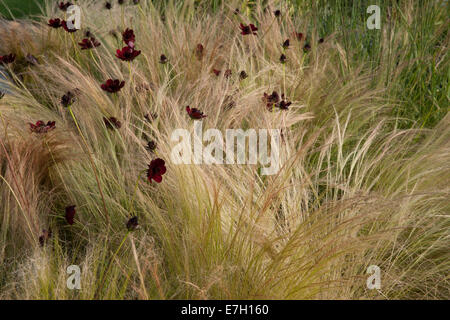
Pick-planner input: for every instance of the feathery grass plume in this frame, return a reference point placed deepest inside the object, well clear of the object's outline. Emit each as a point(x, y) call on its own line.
point(7, 59)
point(364, 155)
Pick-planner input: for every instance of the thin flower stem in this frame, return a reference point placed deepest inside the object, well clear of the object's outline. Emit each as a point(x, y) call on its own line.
point(284, 73)
point(93, 58)
point(92, 164)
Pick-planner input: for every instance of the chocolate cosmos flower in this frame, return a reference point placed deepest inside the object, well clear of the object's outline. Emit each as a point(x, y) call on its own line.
point(216, 72)
point(285, 44)
point(41, 127)
point(88, 43)
point(64, 6)
point(298, 35)
point(68, 99)
point(55, 23)
point(156, 169)
point(66, 27)
point(243, 75)
point(227, 73)
point(277, 13)
point(199, 51)
point(283, 104)
point(31, 59)
point(6, 59)
point(70, 214)
point(128, 37)
point(112, 123)
point(250, 29)
point(163, 59)
point(132, 224)
point(151, 146)
point(127, 53)
point(194, 113)
point(113, 86)
point(46, 235)
point(271, 100)
point(283, 58)
point(151, 116)
point(307, 47)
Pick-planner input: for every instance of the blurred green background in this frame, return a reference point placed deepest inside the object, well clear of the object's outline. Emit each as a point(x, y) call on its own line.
point(20, 8)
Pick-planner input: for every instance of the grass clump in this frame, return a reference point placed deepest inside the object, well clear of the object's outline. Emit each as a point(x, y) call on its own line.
point(365, 153)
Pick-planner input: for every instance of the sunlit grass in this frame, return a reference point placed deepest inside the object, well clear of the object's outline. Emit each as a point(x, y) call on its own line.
point(365, 157)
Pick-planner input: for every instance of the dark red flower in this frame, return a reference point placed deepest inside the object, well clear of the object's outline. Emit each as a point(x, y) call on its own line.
point(163, 59)
point(216, 72)
point(321, 40)
point(194, 113)
point(227, 73)
point(274, 101)
point(121, 1)
point(141, 87)
point(283, 58)
point(31, 59)
point(66, 27)
point(70, 214)
point(64, 6)
point(199, 51)
point(250, 29)
point(283, 104)
point(271, 100)
point(127, 53)
point(151, 116)
point(108, 5)
point(298, 35)
point(55, 23)
point(128, 37)
point(151, 146)
point(112, 123)
point(88, 43)
point(132, 223)
point(46, 235)
point(113, 86)
point(42, 127)
point(68, 99)
point(307, 47)
point(285, 44)
point(156, 169)
point(277, 13)
point(228, 102)
point(243, 75)
point(6, 59)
